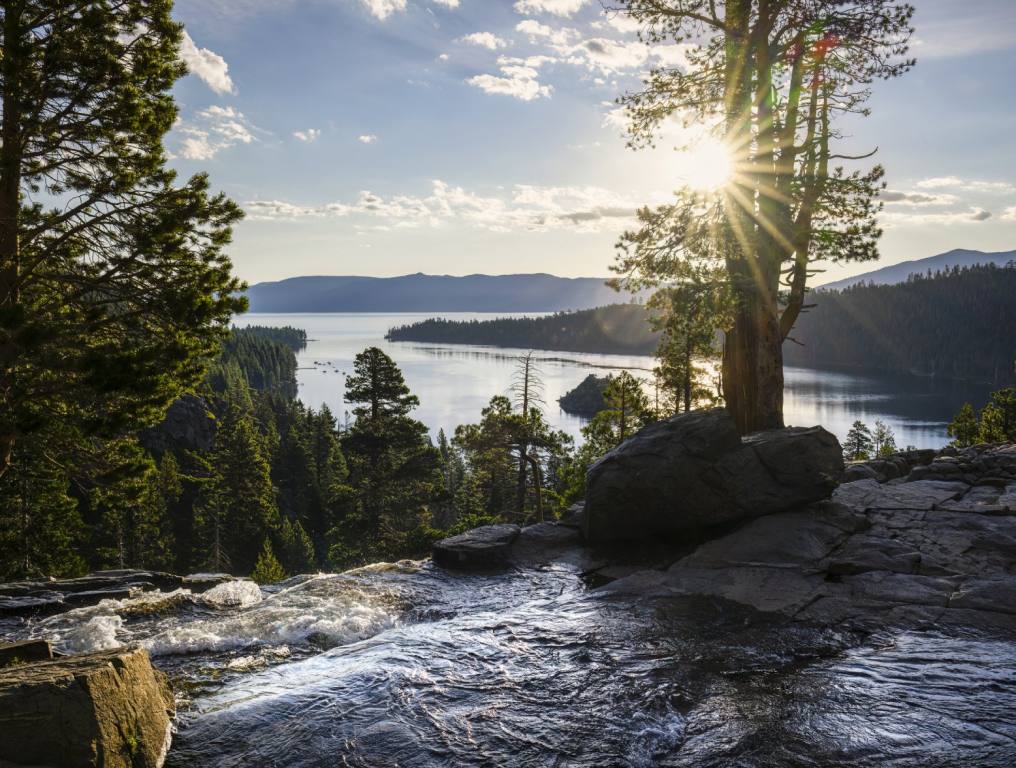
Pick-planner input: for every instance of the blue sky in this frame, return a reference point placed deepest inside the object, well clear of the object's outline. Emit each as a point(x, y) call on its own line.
point(383, 137)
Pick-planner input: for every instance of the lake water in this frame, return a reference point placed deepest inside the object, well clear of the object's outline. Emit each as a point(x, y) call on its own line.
point(454, 382)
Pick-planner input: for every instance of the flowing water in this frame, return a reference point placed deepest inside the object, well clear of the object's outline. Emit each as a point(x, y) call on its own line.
point(408, 665)
point(454, 382)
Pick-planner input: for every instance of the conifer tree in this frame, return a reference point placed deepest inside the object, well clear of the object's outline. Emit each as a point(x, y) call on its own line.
point(114, 288)
point(858, 445)
point(267, 569)
point(770, 79)
point(964, 429)
point(393, 467)
point(41, 531)
point(238, 507)
point(883, 439)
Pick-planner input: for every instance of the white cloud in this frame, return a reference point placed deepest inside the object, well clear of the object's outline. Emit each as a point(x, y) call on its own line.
point(968, 185)
point(382, 9)
point(518, 81)
point(447, 3)
point(555, 7)
point(308, 136)
point(367, 138)
point(485, 40)
point(609, 56)
point(971, 216)
point(524, 208)
point(207, 65)
point(1009, 214)
point(213, 130)
point(918, 198)
point(560, 36)
point(619, 21)
point(444, 57)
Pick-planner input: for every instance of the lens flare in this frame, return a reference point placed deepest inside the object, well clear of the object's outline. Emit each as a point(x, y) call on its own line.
point(707, 165)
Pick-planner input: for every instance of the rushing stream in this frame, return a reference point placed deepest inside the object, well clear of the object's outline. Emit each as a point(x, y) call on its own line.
point(407, 665)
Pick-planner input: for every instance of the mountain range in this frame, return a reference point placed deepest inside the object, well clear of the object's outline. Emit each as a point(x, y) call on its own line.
point(433, 293)
point(898, 273)
point(514, 293)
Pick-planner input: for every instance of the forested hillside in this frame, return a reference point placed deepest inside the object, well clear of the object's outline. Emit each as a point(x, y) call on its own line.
point(613, 329)
point(958, 323)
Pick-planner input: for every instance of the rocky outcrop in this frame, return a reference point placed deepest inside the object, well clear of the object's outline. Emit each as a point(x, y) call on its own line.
point(587, 398)
point(901, 552)
point(484, 547)
point(26, 598)
point(188, 425)
point(105, 709)
point(693, 472)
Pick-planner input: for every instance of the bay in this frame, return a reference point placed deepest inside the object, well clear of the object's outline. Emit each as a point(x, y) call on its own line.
point(454, 382)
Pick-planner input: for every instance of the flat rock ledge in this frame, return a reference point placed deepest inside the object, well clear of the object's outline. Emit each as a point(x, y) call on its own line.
point(493, 547)
point(909, 551)
point(45, 597)
point(109, 709)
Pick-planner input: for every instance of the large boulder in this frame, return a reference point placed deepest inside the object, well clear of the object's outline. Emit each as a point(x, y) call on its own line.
point(107, 709)
point(485, 547)
point(694, 471)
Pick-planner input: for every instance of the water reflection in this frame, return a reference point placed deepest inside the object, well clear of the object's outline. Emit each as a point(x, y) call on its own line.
point(455, 382)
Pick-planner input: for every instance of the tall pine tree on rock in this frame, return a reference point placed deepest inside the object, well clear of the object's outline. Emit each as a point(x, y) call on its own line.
point(769, 79)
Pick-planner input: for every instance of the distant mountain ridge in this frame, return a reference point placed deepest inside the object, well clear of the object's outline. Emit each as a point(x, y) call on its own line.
point(432, 293)
point(898, 273)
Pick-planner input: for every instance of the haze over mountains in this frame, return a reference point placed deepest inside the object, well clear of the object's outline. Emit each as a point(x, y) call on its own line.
point(514, 293)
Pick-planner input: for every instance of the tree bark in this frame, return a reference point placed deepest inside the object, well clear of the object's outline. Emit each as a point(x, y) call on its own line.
point(753, 366)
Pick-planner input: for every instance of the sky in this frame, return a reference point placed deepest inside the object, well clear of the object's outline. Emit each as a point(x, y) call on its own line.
point(386, 137)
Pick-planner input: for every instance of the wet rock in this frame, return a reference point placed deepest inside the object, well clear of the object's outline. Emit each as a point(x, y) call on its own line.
point(693, 471)
point(27, 598)
point(105, 709)
point(484, 547)
point(12, 654)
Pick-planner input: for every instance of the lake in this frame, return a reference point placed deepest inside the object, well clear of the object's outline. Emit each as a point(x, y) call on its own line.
point(454, 382)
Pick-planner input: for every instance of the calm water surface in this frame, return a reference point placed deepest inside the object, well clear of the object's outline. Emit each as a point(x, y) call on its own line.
point(454, 382)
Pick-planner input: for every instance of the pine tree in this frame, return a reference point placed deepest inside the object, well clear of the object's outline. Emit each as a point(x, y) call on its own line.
point(267, 569)
point(859, 444)
point(964, 429)
point(393, 467)
point(41, 531)
point(771, 79)
point(883, 439)
point(688, 315)
point(114, 287)
point(296, 548)
point(237, 508)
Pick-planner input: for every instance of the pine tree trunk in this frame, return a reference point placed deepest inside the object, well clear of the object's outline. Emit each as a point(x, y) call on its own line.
point(753, 367)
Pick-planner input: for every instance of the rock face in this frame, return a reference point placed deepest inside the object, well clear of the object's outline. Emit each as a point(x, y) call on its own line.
point(188, 425)
point(106, 709)
point(694, 471)
point(484, 547)
point(900, 552)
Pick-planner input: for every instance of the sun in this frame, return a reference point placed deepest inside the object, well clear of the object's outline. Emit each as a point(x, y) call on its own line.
point(707, 165)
